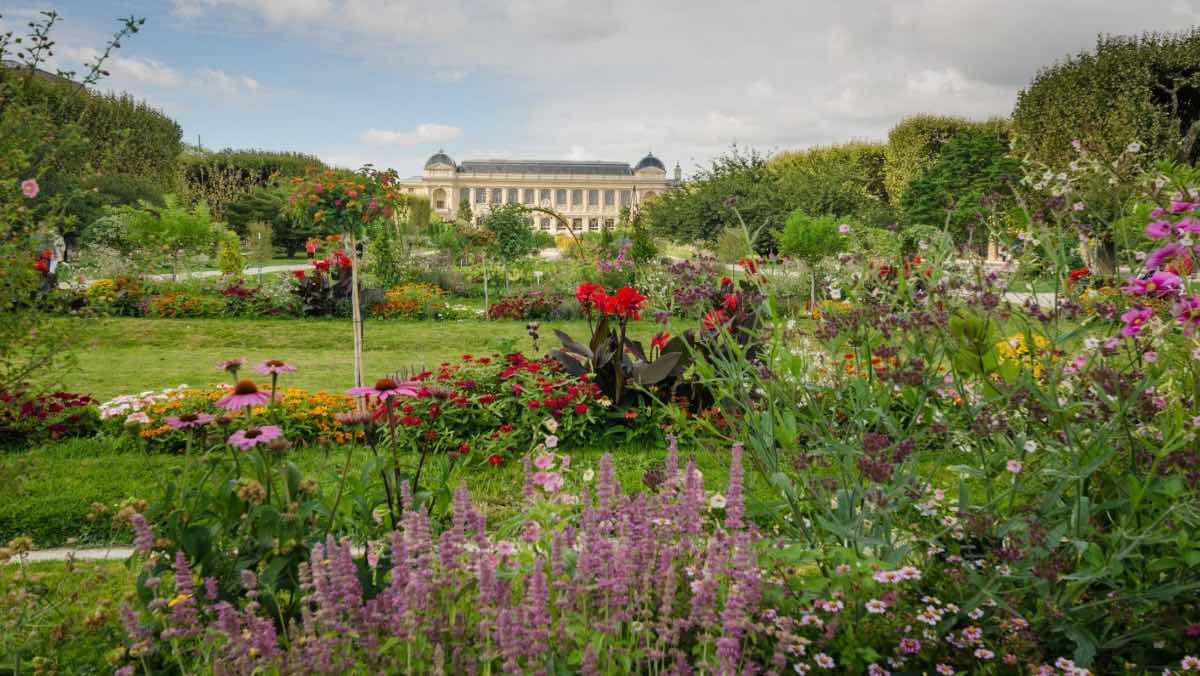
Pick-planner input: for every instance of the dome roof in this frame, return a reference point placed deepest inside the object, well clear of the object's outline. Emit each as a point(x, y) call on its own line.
point(440, 157)
point(649, 161)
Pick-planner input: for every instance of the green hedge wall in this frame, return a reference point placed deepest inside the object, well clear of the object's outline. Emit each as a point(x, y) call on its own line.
point(124, 136)
point(915, 142)
point(862, 159)
point(1142, 88)
point(254, 166)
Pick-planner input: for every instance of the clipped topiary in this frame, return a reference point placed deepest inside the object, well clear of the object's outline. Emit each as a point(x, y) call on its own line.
point(915, 142)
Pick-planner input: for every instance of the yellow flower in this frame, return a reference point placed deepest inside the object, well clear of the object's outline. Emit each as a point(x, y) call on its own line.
point(178, 599)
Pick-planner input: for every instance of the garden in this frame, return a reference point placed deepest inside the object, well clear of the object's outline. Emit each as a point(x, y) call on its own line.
point(928, 405)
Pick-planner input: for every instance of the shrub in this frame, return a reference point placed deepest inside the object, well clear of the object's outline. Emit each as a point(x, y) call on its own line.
point(527, 304)
point(811, 238)
point(229, 254)
point(844, 180)
point(412, 301)
point(258, 242)
point(221, 178)
point(1127, 89)
point(182, 304)
point(27, 418)
point(732, 245)
point(914, 144)
point(972, 177)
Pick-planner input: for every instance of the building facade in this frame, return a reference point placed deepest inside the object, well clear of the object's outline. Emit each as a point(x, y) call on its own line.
point(591, 195)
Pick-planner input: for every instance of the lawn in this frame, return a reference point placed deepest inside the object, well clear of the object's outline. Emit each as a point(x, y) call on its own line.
point(126, 355)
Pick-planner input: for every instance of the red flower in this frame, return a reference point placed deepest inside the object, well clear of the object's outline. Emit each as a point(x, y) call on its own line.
point(726, 281)
point(748, 265)
point(298, 274)
point(494, 458)
point(322, 265)
point(47, 254)
point(464, 448)
point(580, 409)
point(41, 266)
point(626, 302)
point(589, 294)
point(631, 414)
point(714, 319)
point(487, 398)
point(660, 339)
point(729, 302)
point(506, 428)
point(410, 420)
point(1081, 272)
point(533, 403)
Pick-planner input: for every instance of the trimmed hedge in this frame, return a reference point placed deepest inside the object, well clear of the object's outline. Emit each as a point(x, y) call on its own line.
point(221, 178)
point(1142, 88)
point(863, 159)
point(124, 136)
point(914, 144)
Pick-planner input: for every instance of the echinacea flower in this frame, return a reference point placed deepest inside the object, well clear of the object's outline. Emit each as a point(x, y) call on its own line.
point(244, 393)
point(384, 389)
point(247, 439)
point(876, 607)
point(30, 188)
point(232, 366)
point(188, 420)
point(274, 366)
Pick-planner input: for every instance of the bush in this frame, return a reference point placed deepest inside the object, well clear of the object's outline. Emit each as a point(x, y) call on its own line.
point(914, 144)
point(841, 180)
point(183, 304)
point(229, 254)
point(258, 242)
point(27, 418)
point(732, 245)
point(528, 304)
point(412, 301)
point(222, 178)
point(972, 177)
point(811, 238)
point(1127, 89)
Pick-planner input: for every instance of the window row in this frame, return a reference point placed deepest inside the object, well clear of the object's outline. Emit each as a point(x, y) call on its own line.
point(527, 196)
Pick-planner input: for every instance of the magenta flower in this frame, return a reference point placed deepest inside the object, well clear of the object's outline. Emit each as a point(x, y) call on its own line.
point(30, 188)
point(1163, 254)
point(1189, 225)
point(385, 388)
point(247, 439)
point(244, 393)
point(274, 366)
point(1159, 229)
point(1178, 207)
point(1187, 312)
point(188, 420)
point(1134, 320)
point(232, 366)
point(1161, 283)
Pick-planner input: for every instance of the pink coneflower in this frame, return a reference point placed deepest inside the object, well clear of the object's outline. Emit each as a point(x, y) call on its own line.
point(247, 439)
point(244, 393)
point(187, 420)
point(232, 366)
point(385, 388)
point(274, 367)
point(30, 188)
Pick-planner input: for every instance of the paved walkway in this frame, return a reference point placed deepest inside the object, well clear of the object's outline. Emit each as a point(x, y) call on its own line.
point(63, 553)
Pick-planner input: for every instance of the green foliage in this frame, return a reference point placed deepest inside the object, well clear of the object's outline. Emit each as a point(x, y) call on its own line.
point(700, 209)
point(1141, 88)
point(383, 260)
point(811, 238)
point(229, 254)
point(842, 179)
point(732, 245)
point(221, 178)
point(972, 176)
point(512, 238)
point(915, 142)
point(259, 246)
point(464, 211)
point(643, 249)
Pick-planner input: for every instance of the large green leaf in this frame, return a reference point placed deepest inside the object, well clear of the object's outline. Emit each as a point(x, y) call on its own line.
point(655, 372)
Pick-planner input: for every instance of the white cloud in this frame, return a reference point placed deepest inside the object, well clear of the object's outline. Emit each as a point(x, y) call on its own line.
point(943, 82)
point(577, 154)
point(225, 84)
point(424, 133)
point(123, 70)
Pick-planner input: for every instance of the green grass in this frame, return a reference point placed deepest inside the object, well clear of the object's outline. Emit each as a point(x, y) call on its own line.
point(65, 613)
point(124, 355)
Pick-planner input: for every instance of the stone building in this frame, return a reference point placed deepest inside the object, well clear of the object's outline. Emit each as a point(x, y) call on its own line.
point(590, 194)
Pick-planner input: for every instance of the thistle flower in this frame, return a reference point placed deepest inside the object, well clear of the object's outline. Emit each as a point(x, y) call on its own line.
point(247, 439)
point(188, 420)
point(244, 393)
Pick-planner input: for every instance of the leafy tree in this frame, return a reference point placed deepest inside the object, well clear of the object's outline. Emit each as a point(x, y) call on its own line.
point(844, 179)
point(917, 141)
point(970, 177)
point(512, 238)
point(811, 239)
point(464, 211)
point(172, 228)
point(700, 209)
point(269, 204)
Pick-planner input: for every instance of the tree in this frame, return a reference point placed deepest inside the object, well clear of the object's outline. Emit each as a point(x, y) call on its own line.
point(811, 239)
point(512, 238)
point(464, 210)
point(268, 204)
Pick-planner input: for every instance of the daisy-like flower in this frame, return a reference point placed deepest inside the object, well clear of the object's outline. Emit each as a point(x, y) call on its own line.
point(384, 389)
point(30, 188)
point(551, 441)
point(244, 393)
point(844, 228)
point(717, 501)
point(1064, 664)
point(945, 669)
point(824, 661)
point(543, 461)
point(1190, 663)
point(984, 653)
point(232, 366)
point(247, 439)
point(137, 418)
point(1014, 466)
point(274, 366)
point(876, 607)
point(188, 420)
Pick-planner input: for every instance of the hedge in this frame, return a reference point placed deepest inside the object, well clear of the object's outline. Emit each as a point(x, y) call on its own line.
point(915, 142)
point(1142, 88)
point(221, 178)
point(863, 158)
point(125, 136)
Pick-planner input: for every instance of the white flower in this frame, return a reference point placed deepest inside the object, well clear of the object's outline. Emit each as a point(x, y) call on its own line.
point(1091, 343)
point(1031, 446)
point(1134, 148)
point(138, 417)
point(551, 424)
point(717, 501)
point(588, 475)
point(551, 441)
point(835, 293)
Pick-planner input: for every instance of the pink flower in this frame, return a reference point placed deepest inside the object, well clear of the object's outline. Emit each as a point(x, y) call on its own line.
point(244, 393)
point(1134, 320)
point(1190, 663)
point(1161, 283)
point(844, 228)
point(876, 607)
point(984, 653)
point(1187, 312)
point(187, 420)
point(247, 439)
point(30, 188)
point(1163, 254)
point(1159, 229)
point(385, 388)
point(274, 366)
point(910, 646)
point(1014, 466)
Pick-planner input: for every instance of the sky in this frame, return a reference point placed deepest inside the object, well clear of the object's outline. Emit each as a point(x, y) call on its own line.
point(392, 81)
